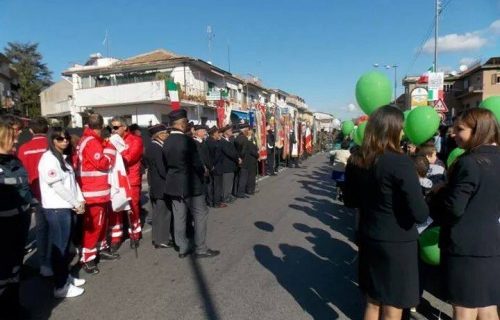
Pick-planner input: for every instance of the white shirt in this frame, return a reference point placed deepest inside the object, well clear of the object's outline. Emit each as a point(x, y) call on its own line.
point(50, 172)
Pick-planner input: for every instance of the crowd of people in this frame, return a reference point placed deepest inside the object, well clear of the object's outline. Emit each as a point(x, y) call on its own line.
point(400, 191)
point(85, 192)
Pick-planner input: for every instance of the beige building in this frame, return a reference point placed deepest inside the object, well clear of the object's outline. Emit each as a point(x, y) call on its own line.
point(9, 83)
point(464, 90)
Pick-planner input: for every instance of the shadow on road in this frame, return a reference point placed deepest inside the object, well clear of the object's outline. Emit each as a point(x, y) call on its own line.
point(203, 289)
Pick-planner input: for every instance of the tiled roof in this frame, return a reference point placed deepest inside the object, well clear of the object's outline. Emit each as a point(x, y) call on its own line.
point(149, 57)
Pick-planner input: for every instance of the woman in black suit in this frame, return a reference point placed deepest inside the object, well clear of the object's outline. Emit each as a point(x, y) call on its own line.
point(382, 182)
point(470, 232)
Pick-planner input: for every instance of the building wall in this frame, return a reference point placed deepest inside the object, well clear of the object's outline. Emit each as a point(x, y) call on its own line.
point(490, 86)
point(54, 99)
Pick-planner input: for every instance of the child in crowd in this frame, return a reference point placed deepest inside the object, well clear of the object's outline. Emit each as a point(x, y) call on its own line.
point(436, 172)
point(340, 158)
point(422, 166)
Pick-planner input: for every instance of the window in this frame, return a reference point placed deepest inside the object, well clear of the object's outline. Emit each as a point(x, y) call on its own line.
point(495, 78)
point(466, 84)
point(477, 103)
point(448, 87)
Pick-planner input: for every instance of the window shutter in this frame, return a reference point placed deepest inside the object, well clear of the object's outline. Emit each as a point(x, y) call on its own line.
point(494, 78)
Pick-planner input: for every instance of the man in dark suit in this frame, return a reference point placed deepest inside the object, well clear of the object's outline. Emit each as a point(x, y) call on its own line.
point(270, 152)
point(214, 195)
point(162, 208)
point(251, 162)
point(241, 144)
point(230, 162)
point(184, 185)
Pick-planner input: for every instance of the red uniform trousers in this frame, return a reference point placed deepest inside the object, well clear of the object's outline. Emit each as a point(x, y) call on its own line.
point(95, 221)
point(116, 225)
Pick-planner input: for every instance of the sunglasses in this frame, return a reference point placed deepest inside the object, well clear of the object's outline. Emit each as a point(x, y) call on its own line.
point(61, 139)
point(116, 127)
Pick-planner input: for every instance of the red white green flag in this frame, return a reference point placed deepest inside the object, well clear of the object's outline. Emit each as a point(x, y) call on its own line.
point(174, 95)
point(424, 78)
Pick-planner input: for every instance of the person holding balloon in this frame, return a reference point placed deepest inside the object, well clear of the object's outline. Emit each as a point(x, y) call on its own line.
point(381, 181)
point(470, 223)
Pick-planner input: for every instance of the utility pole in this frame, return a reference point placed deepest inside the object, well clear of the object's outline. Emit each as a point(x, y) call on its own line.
point(436, 29)
point(210, 36)
point(228, 58)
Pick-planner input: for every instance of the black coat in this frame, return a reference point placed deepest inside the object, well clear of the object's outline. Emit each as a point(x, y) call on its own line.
point(241, 145)
point(389, 197)
point(230, 156)
point(204, 153)
point(216, 156)
point(14, 187)
point(252, 156)
point(153, 158)
point(184, 169)
point(471, 218)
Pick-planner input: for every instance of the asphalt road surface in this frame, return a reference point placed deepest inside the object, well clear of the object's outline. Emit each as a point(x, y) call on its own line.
point(286, 253)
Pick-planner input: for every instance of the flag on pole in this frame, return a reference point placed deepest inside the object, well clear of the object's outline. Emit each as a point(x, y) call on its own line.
point(105, 38)
point(424, 78)
point(173, 94)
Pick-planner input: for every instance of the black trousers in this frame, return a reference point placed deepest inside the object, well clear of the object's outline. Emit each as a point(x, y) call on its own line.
point(162, 220)
point(214, 190)
point(12, 240)
point(252, 175)
point(242, 181)
point(277, 158)
point(270, 168)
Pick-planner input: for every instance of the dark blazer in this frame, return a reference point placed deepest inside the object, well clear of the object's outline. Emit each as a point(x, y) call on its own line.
point(252, 155)
point(241, 144)
point(184, 169)
point(153, 158)
point(230, 159)
point(204, 153)
point(216, 156)
point(389, 197)
point(471, 217)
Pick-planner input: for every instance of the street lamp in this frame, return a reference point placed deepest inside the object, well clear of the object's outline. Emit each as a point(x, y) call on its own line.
point(395, 67)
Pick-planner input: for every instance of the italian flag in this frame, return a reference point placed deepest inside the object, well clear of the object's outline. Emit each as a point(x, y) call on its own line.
point(424, 78)
point(174, 95)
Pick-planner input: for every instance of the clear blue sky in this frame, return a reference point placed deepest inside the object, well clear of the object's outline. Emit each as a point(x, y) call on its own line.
point(316, 49)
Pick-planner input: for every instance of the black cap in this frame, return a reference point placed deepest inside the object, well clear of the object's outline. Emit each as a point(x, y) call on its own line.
point(200, 127)
point(244, 126)
point(213, 130)
point(157, 128)
point(225, 128)
point(177, 114)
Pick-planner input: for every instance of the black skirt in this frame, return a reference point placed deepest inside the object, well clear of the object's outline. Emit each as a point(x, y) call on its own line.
point(471, 282)
point(388, 272)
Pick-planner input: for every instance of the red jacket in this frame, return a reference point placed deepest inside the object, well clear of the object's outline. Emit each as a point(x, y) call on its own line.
point(95, 158)
point(30, 154)
point(132, 157)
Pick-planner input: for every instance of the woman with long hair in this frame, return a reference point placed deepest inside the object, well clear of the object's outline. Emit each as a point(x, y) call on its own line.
point(16, 201)
point(381, 181)
point(61, 196)
point(470, 231)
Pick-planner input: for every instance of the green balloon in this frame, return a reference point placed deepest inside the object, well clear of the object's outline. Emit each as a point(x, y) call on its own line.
point(429, 249)
point(492, 104)
point(373, 90)
point(406, 113)
point(453, 156)
point(359, 133)
point(421, 124)
point(347, 127)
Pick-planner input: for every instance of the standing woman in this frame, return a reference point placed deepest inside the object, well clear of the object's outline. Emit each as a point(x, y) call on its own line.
point(60, 197)
point(15, 202)
point(382, 182)
point(470, 232)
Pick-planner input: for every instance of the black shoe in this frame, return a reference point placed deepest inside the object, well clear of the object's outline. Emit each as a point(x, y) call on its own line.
point(134, 244)
point(115, 247)
point(170, 244)
point(207, 254)
point(90, 267)
point(241, 196)
point(108, 255)
point(185, 254)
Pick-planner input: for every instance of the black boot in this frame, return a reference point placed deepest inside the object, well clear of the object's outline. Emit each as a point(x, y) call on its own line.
point(90, 267)
point(108, 255)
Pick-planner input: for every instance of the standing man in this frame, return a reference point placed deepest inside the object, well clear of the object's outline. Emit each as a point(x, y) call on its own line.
point(132, 156)
point(230, 162)
point(252, 162)
point(30, 154)
point(184, 185)
point(214, 196)
point(270, 151)
point(95, 157)
point(241, 144)
point(162, 208)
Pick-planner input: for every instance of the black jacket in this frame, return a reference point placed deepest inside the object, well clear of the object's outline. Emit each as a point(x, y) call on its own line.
point(216, 156)
point(153, 158)
point(230, 156)
point(252, 156)
point(14, 187)
point(184, 169)
point(204, 153)
point(241, 145)
point(389, 197)
point(471, 217)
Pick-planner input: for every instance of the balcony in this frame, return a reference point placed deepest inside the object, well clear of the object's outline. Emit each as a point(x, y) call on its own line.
point(471, 90)
point(133, 93)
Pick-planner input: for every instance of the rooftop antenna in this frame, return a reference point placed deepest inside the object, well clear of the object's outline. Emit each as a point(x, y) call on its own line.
point(105, 43)
point(210, 36)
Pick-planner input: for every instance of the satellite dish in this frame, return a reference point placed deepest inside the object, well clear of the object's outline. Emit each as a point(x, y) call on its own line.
point(454, 73)
point(463, 67)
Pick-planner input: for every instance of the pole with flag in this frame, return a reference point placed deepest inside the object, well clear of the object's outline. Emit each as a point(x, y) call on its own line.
point(105, 43)
point(173, 94)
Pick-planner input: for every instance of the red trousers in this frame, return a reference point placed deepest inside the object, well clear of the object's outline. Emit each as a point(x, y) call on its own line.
point(95, 222)
point(116, 219)
point(116, 226)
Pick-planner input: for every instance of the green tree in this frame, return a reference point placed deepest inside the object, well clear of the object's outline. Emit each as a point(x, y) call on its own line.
point(34, 75)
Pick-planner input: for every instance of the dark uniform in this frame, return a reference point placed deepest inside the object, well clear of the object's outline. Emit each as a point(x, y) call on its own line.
point(270, 153)
point(251, 163)
point(14, 224)
point(229, 166)
point(241, 144)
point(214, 190)
point(162, 208)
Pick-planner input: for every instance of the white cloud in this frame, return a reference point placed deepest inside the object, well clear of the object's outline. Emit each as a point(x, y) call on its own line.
point(351, 107)
point(457, 42)
point(495, 26)
point(467, 61)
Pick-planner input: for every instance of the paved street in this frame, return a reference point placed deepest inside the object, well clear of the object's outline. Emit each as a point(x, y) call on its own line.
point(286, 253)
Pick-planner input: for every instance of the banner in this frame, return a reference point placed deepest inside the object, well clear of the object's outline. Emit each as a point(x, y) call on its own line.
point(260, 117)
